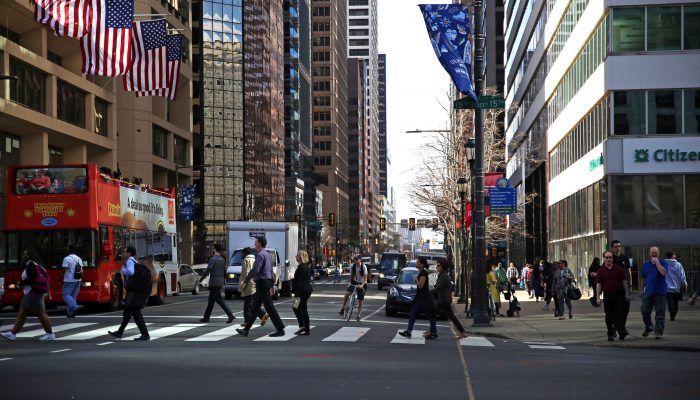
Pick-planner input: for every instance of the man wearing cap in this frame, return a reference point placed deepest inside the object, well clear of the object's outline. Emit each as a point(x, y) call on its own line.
point(358, 278)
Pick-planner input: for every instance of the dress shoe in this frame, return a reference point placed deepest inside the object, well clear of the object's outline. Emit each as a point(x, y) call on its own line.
point(305, 332)
point(611, 338)
point(406, 334)
point(462, 335)
point(622, 335)
point(142, 338)
point(230, 318)
point(299, 332)
point(263, 319)
point(646, 332)
point(205, 320)
point(242, 332)
point(276, 334)
point(116, 334)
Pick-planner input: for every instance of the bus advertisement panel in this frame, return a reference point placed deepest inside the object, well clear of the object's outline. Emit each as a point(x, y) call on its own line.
point(51, 207)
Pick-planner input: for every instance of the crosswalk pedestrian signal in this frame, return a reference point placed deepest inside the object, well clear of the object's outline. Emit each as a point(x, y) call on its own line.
point(297, 218)
point(412, 224)
point(382, 224)
point(331, 219)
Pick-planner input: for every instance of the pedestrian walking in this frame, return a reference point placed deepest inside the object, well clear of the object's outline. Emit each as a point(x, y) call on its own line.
point(249, 290)
point(35, 286)
point(561, 284)
point(513, 277)
point(262, 275)
point(302, 292)
point(654, 293)
point(492, 285)
point(675, 284)
point(216, 270)
point(611, 281)
point(336, 274)
point(622, 260)
point(592, 274)
point(536, 279)
point(547, 277)
point(72, 275)
point(502, 277)
point(135, 297)
point(526, 279)
point(422, 302)
point(443, 287)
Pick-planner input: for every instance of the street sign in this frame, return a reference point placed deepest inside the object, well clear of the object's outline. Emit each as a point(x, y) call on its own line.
point(502, 201)
point(484, 102)
point(313, 223)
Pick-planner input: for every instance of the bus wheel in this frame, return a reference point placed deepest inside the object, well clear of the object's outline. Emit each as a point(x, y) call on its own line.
point(115, 294)
point(159, 298)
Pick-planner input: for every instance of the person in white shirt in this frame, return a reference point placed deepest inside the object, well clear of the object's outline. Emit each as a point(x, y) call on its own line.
point(675, 283)
point(358, 279)
point(71, 284)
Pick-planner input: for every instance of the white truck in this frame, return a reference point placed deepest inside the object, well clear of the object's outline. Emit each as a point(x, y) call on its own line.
point(283, 237)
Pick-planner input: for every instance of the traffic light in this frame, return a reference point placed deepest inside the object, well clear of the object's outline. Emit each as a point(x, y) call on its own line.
point(435, 224)
point(331, 219)
point(412, 224)
point(382, 224)
point(297, 218)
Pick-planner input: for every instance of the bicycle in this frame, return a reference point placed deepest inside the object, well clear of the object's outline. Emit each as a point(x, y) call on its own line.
point(351, 304)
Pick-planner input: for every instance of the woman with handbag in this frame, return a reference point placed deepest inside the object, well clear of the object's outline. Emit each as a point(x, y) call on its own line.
point(561, 285)
point(302, 292)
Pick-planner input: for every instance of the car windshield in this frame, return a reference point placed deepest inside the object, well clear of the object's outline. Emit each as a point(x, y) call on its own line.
point(200, 271)
point(407, 277)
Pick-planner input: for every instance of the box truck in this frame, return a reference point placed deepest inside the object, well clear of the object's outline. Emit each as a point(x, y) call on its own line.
point(282, 237)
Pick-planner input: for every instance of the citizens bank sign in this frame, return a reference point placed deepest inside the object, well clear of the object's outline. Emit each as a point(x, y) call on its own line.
point(663, 155)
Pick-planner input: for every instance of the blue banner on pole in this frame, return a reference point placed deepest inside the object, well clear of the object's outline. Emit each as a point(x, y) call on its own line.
point(185, 197)
point(448, 28)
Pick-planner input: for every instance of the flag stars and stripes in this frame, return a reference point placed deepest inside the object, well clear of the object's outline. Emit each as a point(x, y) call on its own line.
point(120, 13)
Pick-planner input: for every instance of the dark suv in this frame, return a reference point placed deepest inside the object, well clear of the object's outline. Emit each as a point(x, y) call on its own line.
point(391, 263)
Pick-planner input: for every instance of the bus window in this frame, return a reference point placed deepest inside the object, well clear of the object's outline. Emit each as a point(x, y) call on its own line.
point(117, 235)
point(50, 247)
point(104, 238)
point(85, 246)
point(140, 242)
point(55, 180)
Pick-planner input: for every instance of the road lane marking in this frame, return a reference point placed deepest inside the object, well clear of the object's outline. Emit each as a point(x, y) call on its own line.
point(541, 343)
point(6, 359)
point(465, 369)
point(97, 332)
point(104, 344)
point(220, 334)
point(60, 351)
point(476, 341)
point(58, 328)
point(288, 335)
point(347, 334)
point(419, 339)
point(167, 331)
point(374, 313)
point(537, 346)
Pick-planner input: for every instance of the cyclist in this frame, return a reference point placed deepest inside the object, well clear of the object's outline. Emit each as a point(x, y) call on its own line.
point(358, 279)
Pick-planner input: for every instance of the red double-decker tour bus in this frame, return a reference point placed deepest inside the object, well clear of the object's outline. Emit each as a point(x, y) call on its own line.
point(50, 207)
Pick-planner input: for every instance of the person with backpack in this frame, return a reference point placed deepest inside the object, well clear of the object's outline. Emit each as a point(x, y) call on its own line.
point(138, 288)
point(35, 284)
point(72, 275)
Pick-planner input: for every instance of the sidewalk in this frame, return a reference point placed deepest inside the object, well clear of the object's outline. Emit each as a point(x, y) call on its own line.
point(587, 326)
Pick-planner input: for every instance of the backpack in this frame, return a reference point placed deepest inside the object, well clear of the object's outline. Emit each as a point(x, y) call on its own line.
point(141, 281)
point(78, 271)
point(41, 281)
point(362, 270)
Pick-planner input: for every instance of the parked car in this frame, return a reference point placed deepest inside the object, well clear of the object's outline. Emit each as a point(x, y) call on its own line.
point(389, 267)
point(2, 290)
point(400, 296)
point(199, 269)
point(188, 280)
point(319, 271)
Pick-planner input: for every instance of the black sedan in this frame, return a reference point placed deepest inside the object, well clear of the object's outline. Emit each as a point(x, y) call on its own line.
point(400, 296)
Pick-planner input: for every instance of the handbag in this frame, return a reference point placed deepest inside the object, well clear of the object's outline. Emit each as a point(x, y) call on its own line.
point(574, 293)
point(297, 301)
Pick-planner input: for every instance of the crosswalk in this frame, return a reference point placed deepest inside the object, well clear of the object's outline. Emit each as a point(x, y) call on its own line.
point(200, 332)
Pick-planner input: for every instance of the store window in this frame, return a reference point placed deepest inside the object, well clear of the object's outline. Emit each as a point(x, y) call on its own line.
point(628, 29)
point(629, 113)
point(665, 111)
point(647, 202)
point(663, 28)
point(692, 201)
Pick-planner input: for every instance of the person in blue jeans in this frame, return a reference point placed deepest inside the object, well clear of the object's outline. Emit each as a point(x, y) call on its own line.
point(654, 293)
point(71, 284)
point(422, 302)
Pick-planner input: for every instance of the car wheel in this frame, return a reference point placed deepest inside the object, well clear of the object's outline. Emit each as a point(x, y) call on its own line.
point(228, 295)
point(179, 290)
point(195, 291)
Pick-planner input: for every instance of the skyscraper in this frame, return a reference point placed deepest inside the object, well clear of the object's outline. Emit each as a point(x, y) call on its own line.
point(384, 159)
point(357, 152)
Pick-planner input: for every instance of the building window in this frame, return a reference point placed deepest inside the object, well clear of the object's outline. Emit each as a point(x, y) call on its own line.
point(663, 28)
point(28, 89)
point(322, 41)
point(160, 142)
point(322, 86)
point(101, 117)
point(322, 26)
point(691, 112)
point(359, 22)
point(647, 201)
point(322, 115)
point(321, 11)
point(359, 32)
point(665, 111)
point(629, 113)
point(322, 130)
point(321, 56)
point(628, 29)
point(691, 26)
point(55, 155)
point(180, 151)
point(54, 58)
point(71, 104)
point(359, 52)
point(692, 201)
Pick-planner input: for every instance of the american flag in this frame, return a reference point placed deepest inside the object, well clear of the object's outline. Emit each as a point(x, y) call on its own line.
point(70, 18)
point(174, 56)
point(150, 66)
point(106, 49)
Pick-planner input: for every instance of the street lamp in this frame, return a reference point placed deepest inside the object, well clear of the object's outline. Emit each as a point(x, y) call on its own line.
point(462, 189)
point(470, 150)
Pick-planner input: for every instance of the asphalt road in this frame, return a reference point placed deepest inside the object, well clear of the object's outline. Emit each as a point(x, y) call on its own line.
point(339, 360)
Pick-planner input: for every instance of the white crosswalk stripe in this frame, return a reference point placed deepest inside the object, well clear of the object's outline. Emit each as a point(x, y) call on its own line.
point(167, 331)
point(347, 334)
point(55, 329)
point(288, 335)
point(220, 334)
point(415, 339)
point(546, 347)
point(476, 341)
point(96, 332)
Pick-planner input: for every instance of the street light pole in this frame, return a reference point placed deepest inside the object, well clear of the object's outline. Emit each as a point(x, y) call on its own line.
point(462, 187)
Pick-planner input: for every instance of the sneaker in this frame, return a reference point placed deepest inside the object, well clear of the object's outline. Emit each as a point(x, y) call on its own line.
point(622, 335)
point(546, 307)
point(264, 319)
point(276, 334)
point(462, 335)
point(406, 334)
point(142, 338)
point(116, 334)
point(358, 318)
point(242, 332)
point(342, 311)
point(432, 336)
point(8, 335)
point(205, 320)
point(611, 338)
point(230, 318)
point(646, 332)
point(48, 337)
point(657, 336)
